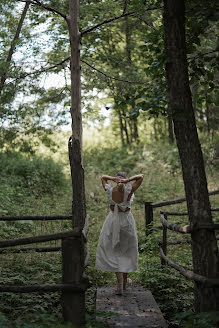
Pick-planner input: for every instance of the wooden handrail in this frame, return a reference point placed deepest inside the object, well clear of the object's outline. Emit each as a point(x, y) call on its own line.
point(39, 239)
point(35, 218)
point(185, 213)
point(187, 228)
point(174, 213)
point(30, 249)
point(179, 242)
point(43, 288)
point(175, 226)
point(189, 274)
point(216, 209)
point(179, 200)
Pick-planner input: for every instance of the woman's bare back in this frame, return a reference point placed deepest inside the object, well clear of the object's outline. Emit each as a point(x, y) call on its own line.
point(118, 197)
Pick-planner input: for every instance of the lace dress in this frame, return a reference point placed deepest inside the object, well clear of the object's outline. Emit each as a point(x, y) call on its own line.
point(117, 249)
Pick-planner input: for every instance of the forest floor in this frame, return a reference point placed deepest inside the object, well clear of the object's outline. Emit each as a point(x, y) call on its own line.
point(35, 185)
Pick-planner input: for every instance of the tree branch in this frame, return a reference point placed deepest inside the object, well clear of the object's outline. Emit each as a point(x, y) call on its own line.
point(125, 5)
point(44, 69)
point(13, 46)
point(83, 61)
point(111, 77)
point(202, 55)
point(124, 14)
point(40, 4)
point(106, 21)
point(143, 20)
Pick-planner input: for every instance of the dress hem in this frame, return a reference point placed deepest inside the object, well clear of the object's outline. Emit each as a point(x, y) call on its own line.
point(116, 270)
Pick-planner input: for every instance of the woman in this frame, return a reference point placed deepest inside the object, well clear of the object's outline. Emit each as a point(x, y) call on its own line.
point(117, 249)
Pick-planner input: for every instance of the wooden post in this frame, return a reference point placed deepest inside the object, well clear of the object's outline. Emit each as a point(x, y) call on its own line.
point(164, 242)
point(148, 217)
point(75, 144)
point(73, 249)
point(73, 303)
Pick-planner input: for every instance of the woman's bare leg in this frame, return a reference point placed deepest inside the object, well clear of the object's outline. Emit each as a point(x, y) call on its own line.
point(125, 277)
point(119, 276)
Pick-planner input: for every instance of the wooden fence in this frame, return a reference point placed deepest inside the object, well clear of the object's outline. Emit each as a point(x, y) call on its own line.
point(149, 207)
point(186, 229)
point(74, 260)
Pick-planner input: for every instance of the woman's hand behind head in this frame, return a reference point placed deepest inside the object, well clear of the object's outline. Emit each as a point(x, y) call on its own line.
point(123, 180)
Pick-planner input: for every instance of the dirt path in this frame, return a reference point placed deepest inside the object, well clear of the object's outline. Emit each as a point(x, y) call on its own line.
point(136, 308)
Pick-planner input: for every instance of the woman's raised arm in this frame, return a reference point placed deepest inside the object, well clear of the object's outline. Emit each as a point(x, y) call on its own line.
point(105, 178)
point(138, 180)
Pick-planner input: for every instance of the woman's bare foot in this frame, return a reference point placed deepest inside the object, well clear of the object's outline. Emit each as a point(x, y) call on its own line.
point(125, 277)
point(126, 283)
point(119, 290)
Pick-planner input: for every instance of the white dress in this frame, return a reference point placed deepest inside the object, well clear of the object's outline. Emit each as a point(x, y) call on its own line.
point(117, 249)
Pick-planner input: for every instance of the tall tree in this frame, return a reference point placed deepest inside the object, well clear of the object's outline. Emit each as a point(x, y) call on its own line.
point(77, 169)
point(204, 245)
point(13, 45)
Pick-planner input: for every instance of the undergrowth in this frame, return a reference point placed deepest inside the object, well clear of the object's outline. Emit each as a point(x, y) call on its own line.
point(35, 185)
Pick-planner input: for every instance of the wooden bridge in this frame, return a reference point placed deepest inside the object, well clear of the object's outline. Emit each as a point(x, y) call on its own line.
point(136, 308)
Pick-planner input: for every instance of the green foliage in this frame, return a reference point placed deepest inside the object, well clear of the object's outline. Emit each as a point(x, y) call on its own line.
point(25, 177)
point(201, 320)
point(22, 193)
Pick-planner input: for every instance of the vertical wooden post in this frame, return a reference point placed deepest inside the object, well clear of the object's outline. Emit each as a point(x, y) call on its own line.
point(73, 249)
point(73, 303)
point(164, 241)
point(148, 217)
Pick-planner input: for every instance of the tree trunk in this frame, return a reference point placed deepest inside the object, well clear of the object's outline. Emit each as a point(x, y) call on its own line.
point(204, 245)
point(126, 130)
point(135, 125)
point(170, 128)
point(121, 128)
point(128, 41)
point(130, 123)
point(13, 46)
point(155, 130)
point(207, 111)
point(77, 169)
point(194, 90)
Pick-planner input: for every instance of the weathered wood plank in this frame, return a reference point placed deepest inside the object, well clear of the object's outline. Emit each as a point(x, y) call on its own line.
point(42, 238)
point(175, 226)
point(189, 274)
point(179, 200)
point(35, 218)
point(30, 249)
point(77, 288)
point(73, 305)
point(136, 308)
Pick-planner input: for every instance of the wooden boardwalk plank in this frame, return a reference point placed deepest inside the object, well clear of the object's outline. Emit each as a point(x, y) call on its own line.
point(136, 308)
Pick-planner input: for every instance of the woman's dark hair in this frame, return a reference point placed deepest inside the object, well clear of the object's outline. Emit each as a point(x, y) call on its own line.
point(123, 174)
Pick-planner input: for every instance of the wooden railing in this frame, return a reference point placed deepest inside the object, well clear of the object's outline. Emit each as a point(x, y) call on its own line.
point(186, 229)
point(74, 259)
point(149, 207)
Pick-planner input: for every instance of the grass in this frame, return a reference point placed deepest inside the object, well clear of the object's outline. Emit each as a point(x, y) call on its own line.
point(41, 186)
